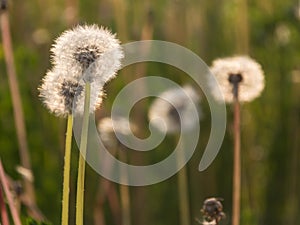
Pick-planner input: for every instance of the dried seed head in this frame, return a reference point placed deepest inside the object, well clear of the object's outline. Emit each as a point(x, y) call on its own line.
point(242, 71)
point(213, 210)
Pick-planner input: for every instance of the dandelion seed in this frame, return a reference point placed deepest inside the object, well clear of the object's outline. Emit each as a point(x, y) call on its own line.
point(170, 104)
point(90, 51)
point(241, 69)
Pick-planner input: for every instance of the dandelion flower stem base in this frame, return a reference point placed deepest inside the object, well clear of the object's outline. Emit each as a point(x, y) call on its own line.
point(67, 163)
point(81, 164)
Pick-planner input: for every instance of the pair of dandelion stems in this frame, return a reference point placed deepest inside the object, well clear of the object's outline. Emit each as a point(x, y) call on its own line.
point(184, 206)
point(81, 163)
point(66, 179)
point(73, 52)
point(235, 79)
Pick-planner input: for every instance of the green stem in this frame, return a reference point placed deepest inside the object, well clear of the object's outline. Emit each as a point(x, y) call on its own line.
point(66, 184)
point(81, 164)
point(183, 197)
point(184, 206)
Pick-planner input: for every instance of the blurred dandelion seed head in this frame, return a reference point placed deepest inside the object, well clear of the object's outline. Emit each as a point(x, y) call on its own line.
point(282, 34)
point(107, 130)
point(83, 54)
point(250, 74)
point(296, 76)
point(165, 110)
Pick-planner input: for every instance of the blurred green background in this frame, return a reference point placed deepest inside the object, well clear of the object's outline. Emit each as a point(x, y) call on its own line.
point(269, 31)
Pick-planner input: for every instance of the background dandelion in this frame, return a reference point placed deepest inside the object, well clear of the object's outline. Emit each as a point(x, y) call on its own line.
point(240, 79)
point(251, 82)
point(212, 211)
point(168, 107)
point(108, 127)
point(173, 111)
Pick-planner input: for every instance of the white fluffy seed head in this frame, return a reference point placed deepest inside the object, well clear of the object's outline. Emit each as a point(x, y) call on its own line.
point(64, 95)
point(252, 78)
point(164, 111)
point(83, 54)
point(88, 50)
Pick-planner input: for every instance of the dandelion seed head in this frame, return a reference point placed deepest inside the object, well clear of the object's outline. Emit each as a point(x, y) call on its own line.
point(64, 95)
point(86, 55)
point(108, 132)
point(83, 54)
point(213, 210)
point(164, 111)
point(248, 72)
point(88, 48)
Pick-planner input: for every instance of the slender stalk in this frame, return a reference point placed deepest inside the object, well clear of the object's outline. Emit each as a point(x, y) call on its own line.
point(114, 204)
point(66, 182)
point(104, 186)
point(4, 216)
point(9, 197)
point(183, 197)
point(107, 190)
point(18, 112)
point(81, 164)
point(124, 192)
point(184, 205)
point(236, 196)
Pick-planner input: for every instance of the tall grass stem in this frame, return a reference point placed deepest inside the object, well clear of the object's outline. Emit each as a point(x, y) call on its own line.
point(3, 214)
point(14, 212)
point(32, 208)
